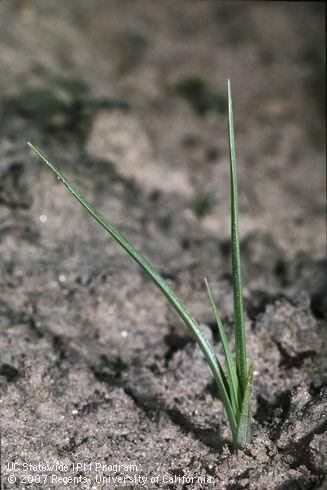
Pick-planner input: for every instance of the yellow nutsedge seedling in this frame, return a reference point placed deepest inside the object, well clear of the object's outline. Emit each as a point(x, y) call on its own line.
point(235, 385)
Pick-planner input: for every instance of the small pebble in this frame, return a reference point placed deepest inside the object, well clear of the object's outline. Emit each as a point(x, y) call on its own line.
point(43, 218)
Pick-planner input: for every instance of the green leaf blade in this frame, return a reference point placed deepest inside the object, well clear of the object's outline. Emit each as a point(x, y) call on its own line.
point(230, 365)
point(241, 362)
point(180, 308)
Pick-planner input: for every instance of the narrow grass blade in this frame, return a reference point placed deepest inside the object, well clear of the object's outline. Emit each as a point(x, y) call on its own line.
point(230, 365)
point(244, 429)
point(241, 363)
point(185, 315)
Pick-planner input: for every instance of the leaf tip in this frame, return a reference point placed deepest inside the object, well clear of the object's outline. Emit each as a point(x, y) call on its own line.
point(32, 147)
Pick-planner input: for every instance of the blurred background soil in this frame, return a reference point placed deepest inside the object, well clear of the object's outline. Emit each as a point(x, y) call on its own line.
point(128, 98)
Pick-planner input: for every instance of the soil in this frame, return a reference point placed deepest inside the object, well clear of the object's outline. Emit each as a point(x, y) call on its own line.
point(129, 99)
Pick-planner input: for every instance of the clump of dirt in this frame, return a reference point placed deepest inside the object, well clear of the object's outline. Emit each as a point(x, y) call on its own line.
point(65, 107)
point(100, 382)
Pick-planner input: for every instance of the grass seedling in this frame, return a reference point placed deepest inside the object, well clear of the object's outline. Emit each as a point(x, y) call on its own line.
point(235, 386)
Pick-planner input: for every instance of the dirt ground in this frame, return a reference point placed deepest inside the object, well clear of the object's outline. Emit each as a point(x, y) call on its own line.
point(100, 381)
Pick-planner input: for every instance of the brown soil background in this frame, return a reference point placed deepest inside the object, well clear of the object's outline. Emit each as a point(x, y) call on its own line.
point(128, 98)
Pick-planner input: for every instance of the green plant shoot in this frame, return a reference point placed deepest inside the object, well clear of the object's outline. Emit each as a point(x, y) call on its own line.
point(236, 385)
